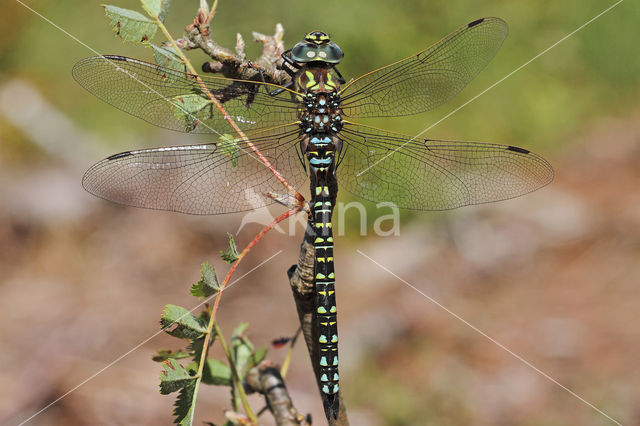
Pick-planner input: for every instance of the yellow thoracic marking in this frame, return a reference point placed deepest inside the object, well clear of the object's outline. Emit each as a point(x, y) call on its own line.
point(332, 323)
point(318, 190)
point(318, 204)
point(331, 275)
point(321, 259)
point(320, 225)
point(329, 81)
point(333, 310)
point(325, 190)
point(331, 292)
point(319, 240)
point(312, 81)
point(328, 224)
point(324, 293)
point(320, 276)
point(314, 152)
point(329, 259)
point(330, 239)
point(322, 310)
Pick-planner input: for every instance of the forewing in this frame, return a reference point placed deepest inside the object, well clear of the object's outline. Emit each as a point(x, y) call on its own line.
point(175, 100)
point(427, 174)
point(428, 79)
point(199, 179)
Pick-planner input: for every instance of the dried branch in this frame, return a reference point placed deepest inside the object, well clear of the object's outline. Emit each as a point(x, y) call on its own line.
point(265, 378)
point(235, 65)
point(302, 286)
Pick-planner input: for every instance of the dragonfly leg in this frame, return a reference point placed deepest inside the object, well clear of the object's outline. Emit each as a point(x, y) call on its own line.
point(341, 79)
point(273, 92)
point(289, 66)
point(282, 89)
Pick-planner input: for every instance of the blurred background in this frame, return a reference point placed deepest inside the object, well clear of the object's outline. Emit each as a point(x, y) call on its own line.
point(553, 276)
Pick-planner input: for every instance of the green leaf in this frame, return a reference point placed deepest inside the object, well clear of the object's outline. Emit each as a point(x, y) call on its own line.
point(164, 10)
point(174, 377)
point(185, 405)
point(258, 356)
point(130, 25)
point(208, 284)
point(186, 325)
point(241, 348)
point(187, 107)
point(239, 330)
point(231, 255)
point(230, 146)
point(165, 354)
point(166, 56)
point(216, 372)
point(156, 8)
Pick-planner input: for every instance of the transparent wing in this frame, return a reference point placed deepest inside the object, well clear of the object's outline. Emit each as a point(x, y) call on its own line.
point(428, 79)
point(174, 100)
point(427, 174)
point(199, 179)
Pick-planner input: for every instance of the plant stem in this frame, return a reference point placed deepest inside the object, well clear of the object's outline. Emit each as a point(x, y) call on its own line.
point(210, 326)
point(212, 11)
point(226, 116)
point(236, 376)
point(287, 359)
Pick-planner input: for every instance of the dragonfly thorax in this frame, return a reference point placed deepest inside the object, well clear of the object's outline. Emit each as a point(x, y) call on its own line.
point(321, 113)
point(319, 109)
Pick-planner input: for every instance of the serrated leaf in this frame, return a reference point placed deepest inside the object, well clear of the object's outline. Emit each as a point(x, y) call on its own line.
point(166, 57)
point(152, 7)
point(185, 405)
point(173, 377)
point(130, 25)
point(230, 146)
point(164, 10)
point(182, 323)
point(216, 373)
point(208, 283)
point(187, 107)
point(156, 8)
point(165, 354)
point(231, 255)
point(195, 348)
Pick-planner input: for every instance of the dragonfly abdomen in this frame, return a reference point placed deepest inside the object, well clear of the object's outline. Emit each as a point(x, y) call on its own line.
point(320, 120)
point(321, 164)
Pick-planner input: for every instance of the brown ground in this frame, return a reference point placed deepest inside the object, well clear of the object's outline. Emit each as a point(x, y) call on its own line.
point(553, 276)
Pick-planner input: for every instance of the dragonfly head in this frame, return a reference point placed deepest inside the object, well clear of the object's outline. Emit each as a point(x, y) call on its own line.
point(317, 46)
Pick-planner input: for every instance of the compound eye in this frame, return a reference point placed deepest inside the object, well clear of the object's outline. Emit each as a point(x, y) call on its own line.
point(311, 54)
point(322, 54)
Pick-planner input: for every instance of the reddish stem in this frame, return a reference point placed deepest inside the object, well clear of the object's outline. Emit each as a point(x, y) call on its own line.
point(244, 252)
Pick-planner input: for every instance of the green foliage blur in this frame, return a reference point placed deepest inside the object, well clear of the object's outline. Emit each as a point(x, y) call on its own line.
point(544, 107)
point(549, 106)
point(593, 73)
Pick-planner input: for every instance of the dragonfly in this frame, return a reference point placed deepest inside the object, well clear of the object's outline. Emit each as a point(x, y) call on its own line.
point(307, 130)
